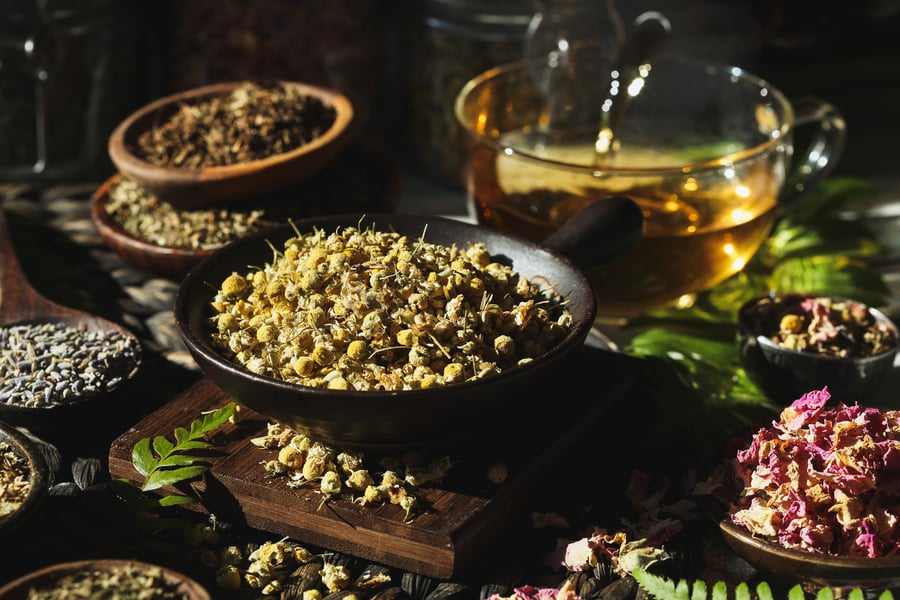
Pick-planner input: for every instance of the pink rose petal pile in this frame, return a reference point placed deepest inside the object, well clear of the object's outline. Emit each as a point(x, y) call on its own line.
point(823, 480)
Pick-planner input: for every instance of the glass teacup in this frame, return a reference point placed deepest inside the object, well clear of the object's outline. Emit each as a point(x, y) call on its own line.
point(706, 150)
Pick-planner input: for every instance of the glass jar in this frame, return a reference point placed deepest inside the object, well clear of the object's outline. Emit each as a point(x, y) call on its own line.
point(450, 42)
point(67, 77)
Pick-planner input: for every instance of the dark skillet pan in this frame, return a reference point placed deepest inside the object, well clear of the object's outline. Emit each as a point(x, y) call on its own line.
point(409, 418)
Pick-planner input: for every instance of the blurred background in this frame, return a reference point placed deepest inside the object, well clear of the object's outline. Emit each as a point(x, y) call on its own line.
point(70, 70)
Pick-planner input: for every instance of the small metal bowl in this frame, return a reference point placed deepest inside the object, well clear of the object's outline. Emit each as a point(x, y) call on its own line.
point(38, 476)
point(192, 188)
point(785, 374)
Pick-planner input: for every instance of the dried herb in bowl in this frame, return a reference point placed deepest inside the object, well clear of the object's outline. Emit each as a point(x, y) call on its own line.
point(148, 218)
point(366, 310)
point(792, 343)
point(15, 479)
point(828, 326)
point(254, 121)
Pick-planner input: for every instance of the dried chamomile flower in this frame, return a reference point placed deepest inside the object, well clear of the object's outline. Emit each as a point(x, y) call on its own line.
point(359, 309)
point(497, 473)
point(344, 473)
point(335, 577)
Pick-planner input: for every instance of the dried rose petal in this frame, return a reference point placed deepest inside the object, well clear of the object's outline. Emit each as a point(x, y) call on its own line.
point(823, 480)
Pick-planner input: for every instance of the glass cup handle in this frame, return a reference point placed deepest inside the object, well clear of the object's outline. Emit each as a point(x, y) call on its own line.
point(823, 150)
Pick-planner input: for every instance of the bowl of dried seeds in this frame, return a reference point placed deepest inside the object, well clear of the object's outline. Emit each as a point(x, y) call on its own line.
point(790, 343)
point(24, 477)
point(390, 330)
point(111, 577)
point(231, 140)
point(152, 235)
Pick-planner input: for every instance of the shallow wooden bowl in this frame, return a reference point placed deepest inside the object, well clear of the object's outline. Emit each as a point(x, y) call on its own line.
point(52, 577)
point(192, 188)
point(39, 476)
point(165, 261)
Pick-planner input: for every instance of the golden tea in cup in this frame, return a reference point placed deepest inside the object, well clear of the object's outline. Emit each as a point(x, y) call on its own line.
point(705, 150)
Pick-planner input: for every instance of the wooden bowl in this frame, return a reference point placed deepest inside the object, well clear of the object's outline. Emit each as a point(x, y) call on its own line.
point(165, 261)
point(53, 577)
point(192, 188)
point(38, 476)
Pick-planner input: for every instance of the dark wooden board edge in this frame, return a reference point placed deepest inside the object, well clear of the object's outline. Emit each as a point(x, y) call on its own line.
point(441, 542)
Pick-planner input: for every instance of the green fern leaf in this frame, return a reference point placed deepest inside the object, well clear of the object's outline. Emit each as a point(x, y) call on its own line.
point(163, 463)
point(194, 445)
point(175, 500)
point(663, 588)
point(699, 592)
point(182, 434)
point(176, 460)
point(163, 477)
point(720, 591)
point(764, 592)
point(825, 594)
point(162, 446)
point(142, 457)
point(796, 593)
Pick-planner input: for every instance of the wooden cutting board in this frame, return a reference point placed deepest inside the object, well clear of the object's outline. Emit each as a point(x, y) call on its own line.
point(464, 511)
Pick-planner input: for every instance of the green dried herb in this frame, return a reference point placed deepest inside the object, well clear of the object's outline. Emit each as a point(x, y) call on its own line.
point(146, 217)
point(255, 121)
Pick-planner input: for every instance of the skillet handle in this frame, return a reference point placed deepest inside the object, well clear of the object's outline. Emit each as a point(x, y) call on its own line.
point(599, 233)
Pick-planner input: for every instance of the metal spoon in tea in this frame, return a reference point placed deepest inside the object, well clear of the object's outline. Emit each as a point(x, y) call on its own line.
point(53, 356)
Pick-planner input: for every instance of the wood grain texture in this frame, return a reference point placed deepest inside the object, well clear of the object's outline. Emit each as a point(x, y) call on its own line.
point(465, 511)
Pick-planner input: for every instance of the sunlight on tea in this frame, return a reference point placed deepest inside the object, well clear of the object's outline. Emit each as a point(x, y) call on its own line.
point(699, 227)
point(703, 150)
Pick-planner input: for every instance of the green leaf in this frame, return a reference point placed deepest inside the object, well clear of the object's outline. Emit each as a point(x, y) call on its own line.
point(835, 275)
point(142, 457)
point(162, 478)
point(742, 592)
point(664, 588)
point(177, 460)
point(162, 446)
point(720, 591)
point(182, 434)
point(695, 376)
point(825, 594)
point(166, 463)
point(175, 500)
point(796, 593)
point(763, 591)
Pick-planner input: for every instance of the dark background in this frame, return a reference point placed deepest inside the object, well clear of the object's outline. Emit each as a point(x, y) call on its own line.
point(107, 58)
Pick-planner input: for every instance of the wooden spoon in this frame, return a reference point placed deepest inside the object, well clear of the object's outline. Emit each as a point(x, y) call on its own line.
point(21, 303)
